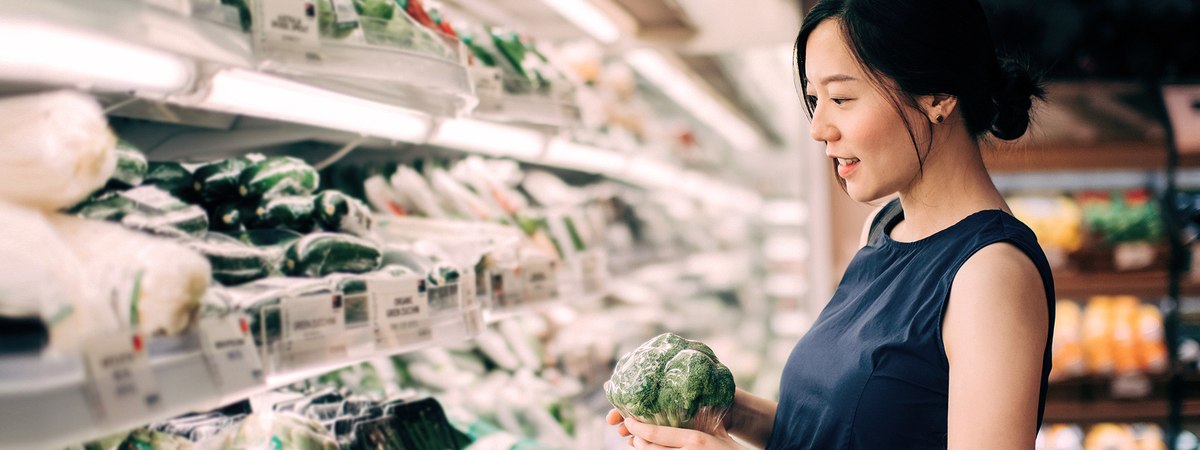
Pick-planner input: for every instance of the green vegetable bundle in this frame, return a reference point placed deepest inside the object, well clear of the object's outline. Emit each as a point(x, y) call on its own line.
point(672, 381)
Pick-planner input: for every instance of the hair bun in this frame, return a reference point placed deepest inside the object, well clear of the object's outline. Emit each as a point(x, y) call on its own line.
point(1013, 95)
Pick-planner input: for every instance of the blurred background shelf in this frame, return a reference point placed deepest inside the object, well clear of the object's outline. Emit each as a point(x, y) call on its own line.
point(1143, 284)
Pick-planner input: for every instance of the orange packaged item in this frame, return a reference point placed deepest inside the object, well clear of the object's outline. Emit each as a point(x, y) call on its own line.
point(1124, 337)
point(1067, 353)
point(1152, 347)
point(1097, 336)
point(1110, 436)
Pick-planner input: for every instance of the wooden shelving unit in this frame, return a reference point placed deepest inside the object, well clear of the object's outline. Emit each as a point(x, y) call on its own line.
point(1151, 284)
point(1089, 412)
point(1101, 156)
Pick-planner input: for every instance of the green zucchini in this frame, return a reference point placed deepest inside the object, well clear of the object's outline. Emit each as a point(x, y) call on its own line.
point(110, 206)
point(188, 221)
point(320, 254)
point(217, 182)
point(131, 165)
point(278, 176)
point(228, 216)
point(335, 211)
point(274, 242)
point(291, 212)
point(233, 261)
point(171, 177)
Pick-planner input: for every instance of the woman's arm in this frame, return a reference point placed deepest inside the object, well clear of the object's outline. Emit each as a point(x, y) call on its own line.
point(994, 331)
point(751, 418)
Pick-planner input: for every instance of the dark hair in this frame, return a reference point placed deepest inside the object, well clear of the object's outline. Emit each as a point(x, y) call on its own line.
point(931, 47)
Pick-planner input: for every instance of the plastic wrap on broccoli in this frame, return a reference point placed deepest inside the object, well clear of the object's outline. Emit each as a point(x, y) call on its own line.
point(674, 382)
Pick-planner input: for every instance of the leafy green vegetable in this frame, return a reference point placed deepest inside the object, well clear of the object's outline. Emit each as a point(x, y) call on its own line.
point(674, 382)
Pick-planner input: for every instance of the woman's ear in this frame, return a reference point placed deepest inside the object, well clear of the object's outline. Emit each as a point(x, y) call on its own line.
point(938, 107)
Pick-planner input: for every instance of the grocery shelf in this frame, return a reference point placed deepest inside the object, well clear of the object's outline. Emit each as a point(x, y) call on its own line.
point(1099, 156)
point(1085, 412)
point(47, 403)
point(1149, 284)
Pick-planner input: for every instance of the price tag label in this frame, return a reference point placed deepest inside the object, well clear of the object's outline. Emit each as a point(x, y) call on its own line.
point(344, 13)
point(119, 371)
point(401, 311)
point(314, 329)
point(230, 352)
point(469, 290)
point(473, 319)
point(506, 287)
point(489, 87)
point(289, 23)
point(594, 268)
point(539, 278)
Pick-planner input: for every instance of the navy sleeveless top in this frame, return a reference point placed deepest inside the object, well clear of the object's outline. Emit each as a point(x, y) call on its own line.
point(872, 372)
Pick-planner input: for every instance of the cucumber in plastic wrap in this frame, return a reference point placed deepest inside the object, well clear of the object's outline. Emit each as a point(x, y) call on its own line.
point(233, 261)
point(278, 176)
point(229, 216)
point(131, 165)
point(218, 182)
point(320, 254)
point(294, 212)
point(171, 177)
point(273, 241)
point(335, 211)
point(149, 209)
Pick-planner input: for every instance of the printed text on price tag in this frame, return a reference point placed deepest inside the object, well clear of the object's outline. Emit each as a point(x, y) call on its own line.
point(120, 376)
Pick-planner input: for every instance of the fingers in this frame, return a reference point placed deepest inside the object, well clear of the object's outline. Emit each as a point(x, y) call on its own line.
point(614, 417)
point(624, 432)
point(666, 437)
point(642, 444)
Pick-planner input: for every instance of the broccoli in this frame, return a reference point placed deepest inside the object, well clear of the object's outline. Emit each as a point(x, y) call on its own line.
point(672, 381)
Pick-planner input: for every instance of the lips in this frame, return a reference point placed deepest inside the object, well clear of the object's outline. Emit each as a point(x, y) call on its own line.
point(846, 166)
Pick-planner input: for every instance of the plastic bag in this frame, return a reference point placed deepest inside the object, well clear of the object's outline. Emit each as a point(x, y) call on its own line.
point(672, 381)
point(272, 431)
point(155, 284)
point(57, 149)
point(40, 277)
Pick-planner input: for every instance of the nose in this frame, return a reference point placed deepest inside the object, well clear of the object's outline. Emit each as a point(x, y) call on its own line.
point(821, 128)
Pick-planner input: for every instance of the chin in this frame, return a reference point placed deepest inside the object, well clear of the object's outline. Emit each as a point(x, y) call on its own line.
point(864, 195)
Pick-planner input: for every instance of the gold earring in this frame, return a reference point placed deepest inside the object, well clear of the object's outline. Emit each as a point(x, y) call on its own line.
point(939, 118)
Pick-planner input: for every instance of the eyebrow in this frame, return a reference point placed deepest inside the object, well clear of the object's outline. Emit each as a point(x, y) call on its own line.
point(837, 78)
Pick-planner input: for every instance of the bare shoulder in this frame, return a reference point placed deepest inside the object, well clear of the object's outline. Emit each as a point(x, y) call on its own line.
point(999, 286)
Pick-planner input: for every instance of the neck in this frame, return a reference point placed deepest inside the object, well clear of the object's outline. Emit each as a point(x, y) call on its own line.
point(954, 184)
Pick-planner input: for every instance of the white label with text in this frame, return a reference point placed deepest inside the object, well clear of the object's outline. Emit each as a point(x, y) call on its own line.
point(120, 376)
point(230, 352)
point(289, 23)
point(401, 311)
point(314, 329)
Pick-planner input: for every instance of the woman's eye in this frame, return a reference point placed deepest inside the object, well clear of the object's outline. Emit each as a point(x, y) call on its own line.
point(840, 100)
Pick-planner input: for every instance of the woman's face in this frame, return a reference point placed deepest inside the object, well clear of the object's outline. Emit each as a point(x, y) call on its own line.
point(865, 136)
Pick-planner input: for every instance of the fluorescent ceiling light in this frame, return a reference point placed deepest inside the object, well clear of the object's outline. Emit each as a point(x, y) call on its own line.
point(650, 173)
point(251, 93)
point(490, 138)
point(563, 153)
point(677, 84)
point(588, 17)
point(32, 51)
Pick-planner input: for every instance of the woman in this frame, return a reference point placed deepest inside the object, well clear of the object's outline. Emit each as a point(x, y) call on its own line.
point(939, 333)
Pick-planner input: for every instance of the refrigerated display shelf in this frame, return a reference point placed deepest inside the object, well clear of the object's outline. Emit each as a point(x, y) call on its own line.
point(48, 403)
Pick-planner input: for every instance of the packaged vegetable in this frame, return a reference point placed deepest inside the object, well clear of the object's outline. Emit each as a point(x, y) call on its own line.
point(335, 211)
point(218, 182)
point(149, 209)
point(320, 254)
point(171, 177)
point(278, 176)
point(43, 281)
point(272, 431)
point(156, 284)
point(233, 262)
point(672, 381)
point(57, 149)
point(292, 212)
point(131, 165)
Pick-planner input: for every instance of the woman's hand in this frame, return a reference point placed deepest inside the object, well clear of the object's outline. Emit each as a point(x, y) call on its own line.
point(644, 436)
